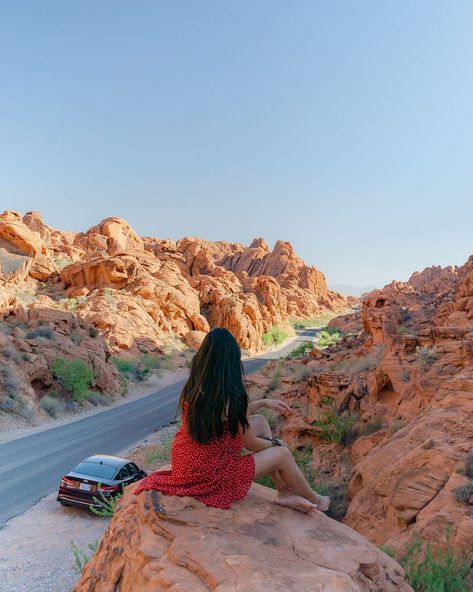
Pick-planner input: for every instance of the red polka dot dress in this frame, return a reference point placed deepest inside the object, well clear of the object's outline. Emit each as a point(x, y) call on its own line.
point(214, 473)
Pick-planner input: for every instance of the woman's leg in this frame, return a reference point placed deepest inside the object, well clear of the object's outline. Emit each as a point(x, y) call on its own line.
point(280, 459)
point(260, 426)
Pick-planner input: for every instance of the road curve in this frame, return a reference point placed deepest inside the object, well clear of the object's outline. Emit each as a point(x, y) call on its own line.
point(31, 466)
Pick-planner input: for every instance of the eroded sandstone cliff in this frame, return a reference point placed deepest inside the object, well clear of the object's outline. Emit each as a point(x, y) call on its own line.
point(387, 412)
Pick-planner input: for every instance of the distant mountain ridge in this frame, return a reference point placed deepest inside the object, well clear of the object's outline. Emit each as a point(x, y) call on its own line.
point(349, 290)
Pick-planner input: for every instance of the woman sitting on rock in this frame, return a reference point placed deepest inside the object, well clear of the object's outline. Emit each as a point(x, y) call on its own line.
point(206, 456)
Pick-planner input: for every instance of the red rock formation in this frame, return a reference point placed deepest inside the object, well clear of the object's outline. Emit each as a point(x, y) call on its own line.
point(415, 410)
point(156, 543)
point(141, 292)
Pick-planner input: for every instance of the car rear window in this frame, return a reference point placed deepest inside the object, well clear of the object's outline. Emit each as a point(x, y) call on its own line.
point(95, 470)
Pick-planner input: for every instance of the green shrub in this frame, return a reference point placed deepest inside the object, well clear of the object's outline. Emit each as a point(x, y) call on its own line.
point(74, 376)
point(72, 304)
point(315, 321)
point(275, 379)
point(137, 369)
point(40, 332)
point(80, 557)
point(464, 492)
point(93, 332)
point(426, 356)
point(24, 409)
point(328, 337)
point(52, 406)
point(301, 350)
point(274, 336)
point(435, 571)
point(334, 427)
point(108, 505)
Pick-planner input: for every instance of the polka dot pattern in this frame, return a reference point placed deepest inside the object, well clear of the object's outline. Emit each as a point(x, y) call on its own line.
point(215, 473)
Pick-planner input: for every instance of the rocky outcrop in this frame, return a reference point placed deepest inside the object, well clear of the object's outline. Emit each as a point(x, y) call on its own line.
point(141, 292)
point(156, 543)
point(404, 391)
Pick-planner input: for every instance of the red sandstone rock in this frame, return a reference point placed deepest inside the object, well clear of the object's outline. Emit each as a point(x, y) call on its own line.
point(156, 543)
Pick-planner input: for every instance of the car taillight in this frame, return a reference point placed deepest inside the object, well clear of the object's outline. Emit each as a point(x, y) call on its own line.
point(108, 487)
point(65, 482)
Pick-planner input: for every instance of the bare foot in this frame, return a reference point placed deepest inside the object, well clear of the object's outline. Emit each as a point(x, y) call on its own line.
point(323, 502)
point(296, 502)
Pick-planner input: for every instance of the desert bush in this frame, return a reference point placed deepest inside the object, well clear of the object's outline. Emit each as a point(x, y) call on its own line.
point(301, 373)
point(42, 332)
point(334, 427)
point(79, 556)
point(97, 399)
point(464, 492)
point(76, 337)
point(8, 352)
point(328, 337)
point(395, 426)
point(23, 409)
point(403, 330)
point(374, 425)
point(435, 571)
point(71, 304)
point(137, 369)
point(93, 332)
point(108, 295)
point(315, 321)
point(301, 350)
point(274, 336)
point(10, 388)
point(108, 505)
point(469, 465)
point(161, 453)
point(52, 406)
point(405, 376)
point(62, 262)
point(426, 356)
point(275, 380)
point(74, 376)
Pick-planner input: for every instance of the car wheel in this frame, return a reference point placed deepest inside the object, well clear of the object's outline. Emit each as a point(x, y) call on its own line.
point(63, 503)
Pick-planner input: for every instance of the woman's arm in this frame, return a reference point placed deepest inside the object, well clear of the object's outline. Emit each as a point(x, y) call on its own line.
point(251, 441)
point(253, 406)
point(278, 406)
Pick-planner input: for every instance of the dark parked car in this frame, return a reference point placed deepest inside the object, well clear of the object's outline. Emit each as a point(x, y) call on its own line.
point(96, 477)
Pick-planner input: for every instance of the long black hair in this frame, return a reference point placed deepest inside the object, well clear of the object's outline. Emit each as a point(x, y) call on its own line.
point(215, 394)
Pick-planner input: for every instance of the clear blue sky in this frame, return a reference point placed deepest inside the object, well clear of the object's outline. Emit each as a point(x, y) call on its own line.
point(345, 127)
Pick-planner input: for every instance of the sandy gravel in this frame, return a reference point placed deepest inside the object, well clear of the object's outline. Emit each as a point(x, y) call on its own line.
point(35, 548)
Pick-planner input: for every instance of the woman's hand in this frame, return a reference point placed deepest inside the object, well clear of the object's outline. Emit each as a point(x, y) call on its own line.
point(279, 406)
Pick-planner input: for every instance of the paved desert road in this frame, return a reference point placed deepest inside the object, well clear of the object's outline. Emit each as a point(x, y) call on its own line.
point(30, 467)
